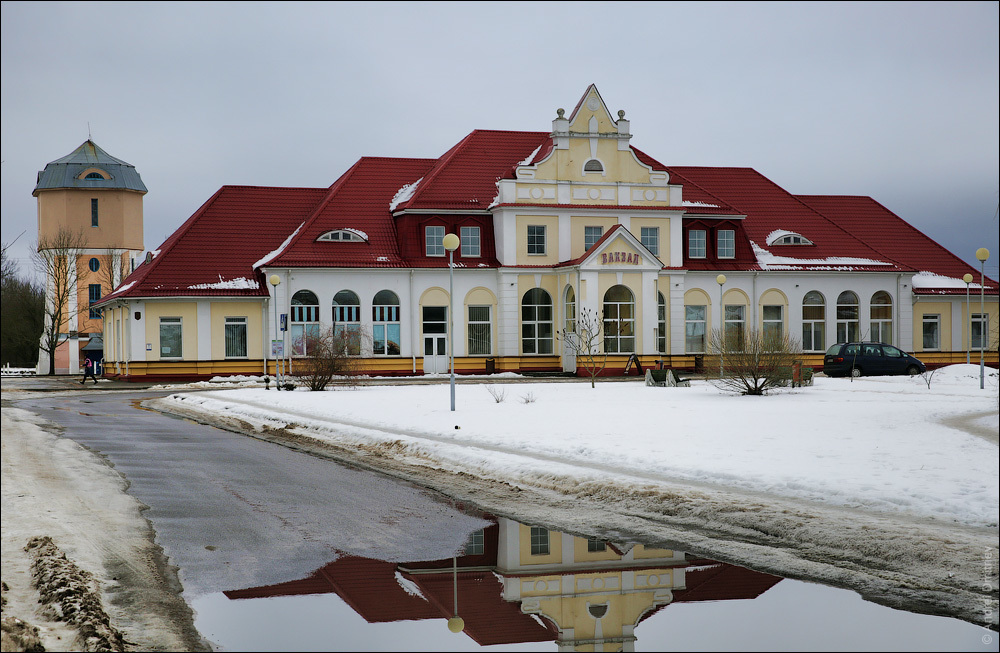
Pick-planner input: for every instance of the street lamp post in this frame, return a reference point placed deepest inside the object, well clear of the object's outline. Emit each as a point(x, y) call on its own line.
point(456, 624)
point(968, 319)
point(721, 280)
point(275, 280)
point(982, 254)
point(451, 243)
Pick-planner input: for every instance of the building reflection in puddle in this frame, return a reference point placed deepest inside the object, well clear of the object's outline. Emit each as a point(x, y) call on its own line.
point(518, 584)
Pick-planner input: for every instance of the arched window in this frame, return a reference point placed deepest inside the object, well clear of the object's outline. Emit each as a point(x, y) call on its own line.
point(593, 165)
point(619, 320)
point(385, 323)
point(344, 235)
point(813, 322)
point(661, 323)
point(881, 317)
point(536, 322)
point(305, 320)
point(848, 325)
point(95, 175)
point(569, 306)
point(347, 321)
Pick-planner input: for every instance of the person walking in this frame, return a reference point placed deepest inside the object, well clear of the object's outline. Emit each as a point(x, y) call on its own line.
point(88, 371)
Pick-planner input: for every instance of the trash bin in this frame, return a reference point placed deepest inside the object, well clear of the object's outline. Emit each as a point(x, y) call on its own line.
point(797, 374)
point(491, 365)
point(699, 363)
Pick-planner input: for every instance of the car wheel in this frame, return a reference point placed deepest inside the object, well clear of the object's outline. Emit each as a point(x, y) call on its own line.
point(855, 372)
point(913, 370)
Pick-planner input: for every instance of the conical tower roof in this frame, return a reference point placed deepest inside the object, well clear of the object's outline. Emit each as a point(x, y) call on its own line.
point(67, 172)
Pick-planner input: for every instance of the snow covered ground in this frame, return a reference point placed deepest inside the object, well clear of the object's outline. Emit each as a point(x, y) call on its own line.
point(888, 486)
point(888, 444)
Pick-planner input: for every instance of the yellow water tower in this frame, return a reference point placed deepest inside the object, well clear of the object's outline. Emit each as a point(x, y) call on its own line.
point(89, 219)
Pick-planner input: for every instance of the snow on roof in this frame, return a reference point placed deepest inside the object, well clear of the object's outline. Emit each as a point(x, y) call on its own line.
point(403, 194)
point(409, 586)
point(232, 284)
point(356, 231)
point(769, 261)
point(531, 156)
point(687, 203)
point(124, 287)
point(778, 233)
point(932, 280)
point(274, 254)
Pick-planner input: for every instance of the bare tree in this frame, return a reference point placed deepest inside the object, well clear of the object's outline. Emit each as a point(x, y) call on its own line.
point(21, 321)
point(56, 258)
point(115, 267)
point(331, 354)
point(753, 362)
point(586, 342)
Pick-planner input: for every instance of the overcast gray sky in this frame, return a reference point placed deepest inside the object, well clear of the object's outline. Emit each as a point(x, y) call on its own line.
point(898, 101)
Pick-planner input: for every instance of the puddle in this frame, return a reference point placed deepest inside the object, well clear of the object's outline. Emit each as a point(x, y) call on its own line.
point(519, 587)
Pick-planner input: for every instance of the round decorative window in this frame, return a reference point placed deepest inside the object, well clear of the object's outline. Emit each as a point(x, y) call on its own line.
point(94, 265)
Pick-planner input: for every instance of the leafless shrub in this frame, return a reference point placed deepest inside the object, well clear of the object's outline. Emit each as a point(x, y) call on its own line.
point(752, 363)
point(330, 354)
point(498, 394)
point(927, 376)
point(586, 342)
point(528, 398)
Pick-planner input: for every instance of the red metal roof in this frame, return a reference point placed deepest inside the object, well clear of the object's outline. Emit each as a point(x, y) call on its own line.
point(465, 177)
point(217, 246)
point(359, 200)
point(770, 208)
point(895, 238)
point(248, 223)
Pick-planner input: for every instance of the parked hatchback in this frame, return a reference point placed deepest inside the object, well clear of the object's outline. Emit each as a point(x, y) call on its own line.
point(869, 358)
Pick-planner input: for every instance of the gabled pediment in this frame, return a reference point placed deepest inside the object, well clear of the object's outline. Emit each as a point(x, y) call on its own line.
point(619, 250)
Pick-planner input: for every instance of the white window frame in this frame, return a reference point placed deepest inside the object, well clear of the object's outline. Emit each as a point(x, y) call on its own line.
point(814, 325)
point(690, 322)
point(172, 322)
point(726, 243)
point(591, 235)
point(771, 324)
point(232, 336)
point(434, 240)
point(538, 327)
point(697, 243)
point(931, 319)
point(537, 242)
point(650, 239)
point(982, 320)
point(471, 245)
point(477, 343)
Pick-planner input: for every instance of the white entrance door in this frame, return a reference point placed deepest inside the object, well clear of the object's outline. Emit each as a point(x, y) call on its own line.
point(435, 354)
point(569, 352)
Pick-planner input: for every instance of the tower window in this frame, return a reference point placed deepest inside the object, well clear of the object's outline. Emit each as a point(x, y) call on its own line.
point(95, 175)
point(94, 265)
point(93, 212)
point(593, 166)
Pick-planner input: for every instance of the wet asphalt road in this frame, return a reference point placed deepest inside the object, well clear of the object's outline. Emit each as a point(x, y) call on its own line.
point(233, 512)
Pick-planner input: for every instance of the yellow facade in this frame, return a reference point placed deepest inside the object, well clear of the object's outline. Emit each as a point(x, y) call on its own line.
point(119, 222)
point(249, 310)
point(188, 312)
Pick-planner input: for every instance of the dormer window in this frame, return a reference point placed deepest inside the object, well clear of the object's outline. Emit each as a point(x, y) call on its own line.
point(94, 174)
point(788, 238)
point(593, 166)
point(344, 235)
